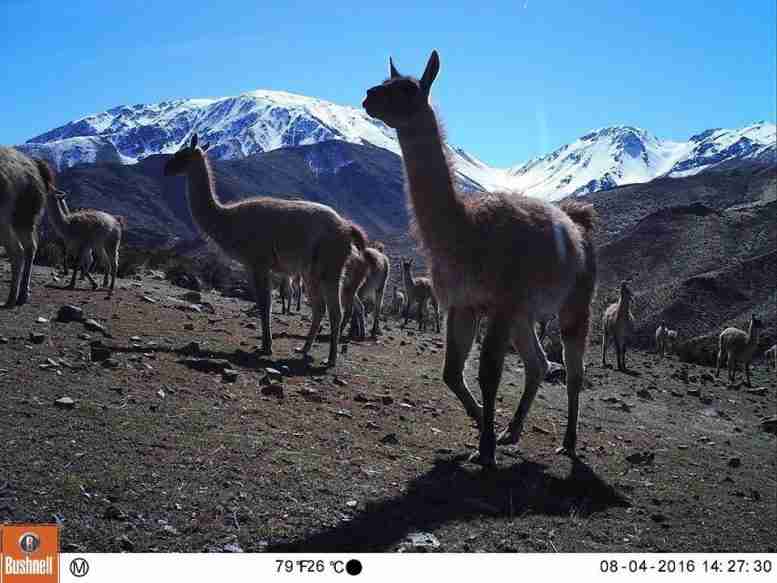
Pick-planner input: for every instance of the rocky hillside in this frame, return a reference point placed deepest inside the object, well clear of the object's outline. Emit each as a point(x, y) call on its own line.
point(701, 253)
point(361, 182)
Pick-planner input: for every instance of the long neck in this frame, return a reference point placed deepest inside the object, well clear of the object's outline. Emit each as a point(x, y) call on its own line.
point(205, 208)
point(624, 303)
point(433, 198)
point(752, 335)
point(59, 220)
point(408, 278)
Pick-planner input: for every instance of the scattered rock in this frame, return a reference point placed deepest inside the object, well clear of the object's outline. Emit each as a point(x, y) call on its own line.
point(206, 364)
point(344, 413)
point(770, 425)
point(734, 462)
point(641, 458)
point(125, 543)
point(538, 429)
point(386, 399)
point(99, 352)
point(194, 297)
point(70, 313)
point(273, 373)
point(95, 326)
point(113, 512)
point(273, 390)
point(65, 403)
point(3, 340)
point(760, 391)
point(339, 382)
point(148, 300)
point(418, 542)
point(643, 393)
point(229, 375)
point(232, 547)
point(41, 320)
point(658, 517)
point(390, 439)
point(693, 392)
point(111, 363)
point(37, 338)
point(311, 394)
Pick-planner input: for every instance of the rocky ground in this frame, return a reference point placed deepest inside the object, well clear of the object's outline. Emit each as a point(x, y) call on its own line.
point(170, 434)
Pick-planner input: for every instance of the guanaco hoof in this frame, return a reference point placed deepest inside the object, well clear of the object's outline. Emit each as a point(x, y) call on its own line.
point(508, 437)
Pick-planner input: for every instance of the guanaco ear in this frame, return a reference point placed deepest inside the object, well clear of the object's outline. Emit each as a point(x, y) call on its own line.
point(195, 139)
point(205, 147)
point(392, 69)
point(430, 73)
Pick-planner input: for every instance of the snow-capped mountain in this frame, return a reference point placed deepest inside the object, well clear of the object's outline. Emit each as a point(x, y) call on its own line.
point(261, 121)
point(612, 156)
point(236, 127)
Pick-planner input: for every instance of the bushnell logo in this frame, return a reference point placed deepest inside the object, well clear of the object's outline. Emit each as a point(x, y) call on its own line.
point(29, 542)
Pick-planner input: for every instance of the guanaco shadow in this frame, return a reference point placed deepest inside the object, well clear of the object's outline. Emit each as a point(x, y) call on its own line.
point(451, 491)
point(293, 366)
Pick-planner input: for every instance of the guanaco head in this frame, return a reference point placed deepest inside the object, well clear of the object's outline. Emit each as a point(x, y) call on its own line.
point(755, 323)
point(179, 163)
point(626, 291)
point(400, 98)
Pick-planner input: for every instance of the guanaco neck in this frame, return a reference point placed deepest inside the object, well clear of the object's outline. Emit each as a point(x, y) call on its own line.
point(624, 304)
point(408, 277)
point(434, 200)
point(59, 220)
point(752, 335)
point(203, 204)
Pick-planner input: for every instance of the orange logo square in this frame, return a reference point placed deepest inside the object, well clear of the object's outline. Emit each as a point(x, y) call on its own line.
point(30, 553)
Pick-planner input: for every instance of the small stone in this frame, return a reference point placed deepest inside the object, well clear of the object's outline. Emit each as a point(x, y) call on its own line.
point(769, 425)
point(37, 338)
point(387, 399)
point(538, 429)
point(344, 413)
point(390, 439)
point(760, 391)
point(229, 375)
point(352, 504)
point(3, 340)
point(273, 390)
point(125, 543)
point(161, 393)
point(641, 458)
point(42, 320)
point(693, 392)
point(65, 403)
point(111, 363)
point(135, 338)
point(340, 382)
point(84, 336)
point(188, 326)
point(734, 462)
point(70, 313)
point(311, 394)
point(113, 512)
point(206, 364)
point(99, 352)
point(658, 517)
point(94, 326)
point(149, 300)
point(194, 297)
point(232, 548)
point(643, 393)
point(273, 373)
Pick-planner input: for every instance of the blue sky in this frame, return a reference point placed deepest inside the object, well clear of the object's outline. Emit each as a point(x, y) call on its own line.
point(518, 78)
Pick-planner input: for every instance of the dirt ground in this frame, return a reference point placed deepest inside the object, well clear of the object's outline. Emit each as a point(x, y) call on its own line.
point(155, 454)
